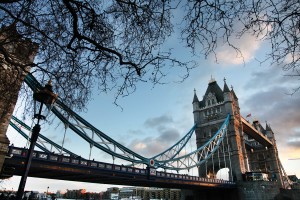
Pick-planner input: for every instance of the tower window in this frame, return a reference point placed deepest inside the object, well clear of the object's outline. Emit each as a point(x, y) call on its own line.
point(212, 101)
point(208, 102)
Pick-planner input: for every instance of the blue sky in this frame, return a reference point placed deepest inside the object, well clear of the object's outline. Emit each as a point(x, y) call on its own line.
point(153, 118)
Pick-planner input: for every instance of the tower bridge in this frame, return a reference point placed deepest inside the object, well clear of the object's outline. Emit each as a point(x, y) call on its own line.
point(224, 139)
point(63, 167)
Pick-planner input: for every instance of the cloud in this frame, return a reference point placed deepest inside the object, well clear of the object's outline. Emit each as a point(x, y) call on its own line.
point(139, 146)
point(269, 101)
point(147, 147)
point(295, 143)
point(273, 76)
point(150, 146)
point(157, 122)
point(294, 140)
point(170, 135)
point(161, 138)
point(247, 45)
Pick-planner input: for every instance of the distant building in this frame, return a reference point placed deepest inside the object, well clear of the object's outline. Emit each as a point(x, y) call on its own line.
point(144, 193)
point(75, 194)
point(59, 194)
point(295, 180)
point(81, 194)
point(111, 193)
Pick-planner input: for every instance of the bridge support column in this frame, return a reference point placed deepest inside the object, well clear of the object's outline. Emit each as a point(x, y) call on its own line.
point(16, 57)
point(236, 149)
point(276, 167)
point(4, 142)
point(262, 190)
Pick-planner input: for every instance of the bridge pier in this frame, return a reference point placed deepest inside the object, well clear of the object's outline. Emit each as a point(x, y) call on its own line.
point(262, 190)
point(248, 147)
point(251, 190)
point(16, 60)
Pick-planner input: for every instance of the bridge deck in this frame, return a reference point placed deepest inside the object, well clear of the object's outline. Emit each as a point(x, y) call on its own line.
point(255, 134)
point(66, 168)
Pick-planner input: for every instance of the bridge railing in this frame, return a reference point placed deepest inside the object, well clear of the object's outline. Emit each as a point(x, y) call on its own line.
point(81, 162)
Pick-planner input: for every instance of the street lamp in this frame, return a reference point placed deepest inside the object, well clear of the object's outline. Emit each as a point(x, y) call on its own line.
point(43, 96)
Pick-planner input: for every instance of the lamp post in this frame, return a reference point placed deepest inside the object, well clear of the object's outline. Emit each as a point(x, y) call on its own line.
point(41, 97)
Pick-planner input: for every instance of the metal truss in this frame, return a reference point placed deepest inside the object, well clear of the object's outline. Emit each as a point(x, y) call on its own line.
point(171, 158)
point(177, 162)
point(43, 142)
point(174, 151)
point(88, 132)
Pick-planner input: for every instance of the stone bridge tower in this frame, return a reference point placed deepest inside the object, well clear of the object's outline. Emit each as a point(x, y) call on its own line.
point(265, 159)
point(240, 151)
point(209, 114)
point(16, 57)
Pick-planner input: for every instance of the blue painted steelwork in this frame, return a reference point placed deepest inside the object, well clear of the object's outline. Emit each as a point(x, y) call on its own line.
point(58, 110)
point(15, 122)
point(118, 169)
point(174, 150)
point(26, 136)
point(169, 159)
point(194, 158)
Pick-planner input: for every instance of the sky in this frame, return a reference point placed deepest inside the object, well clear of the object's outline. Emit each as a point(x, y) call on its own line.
point(154, 118)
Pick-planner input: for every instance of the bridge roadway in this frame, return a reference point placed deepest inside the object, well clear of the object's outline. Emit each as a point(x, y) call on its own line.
point(55, 166)
point(255, 134)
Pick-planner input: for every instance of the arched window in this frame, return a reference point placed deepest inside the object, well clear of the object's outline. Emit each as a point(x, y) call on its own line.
point(212, 101)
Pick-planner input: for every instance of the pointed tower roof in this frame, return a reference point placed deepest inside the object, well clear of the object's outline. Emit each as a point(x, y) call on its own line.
point(226, 88)
point(215, 89)
point(268, 127)
point(233, 93)
point(195, 99)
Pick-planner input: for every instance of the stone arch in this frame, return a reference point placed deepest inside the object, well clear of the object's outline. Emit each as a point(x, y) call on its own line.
point(223, 173)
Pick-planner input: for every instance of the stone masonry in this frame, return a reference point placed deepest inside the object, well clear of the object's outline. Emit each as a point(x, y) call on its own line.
point(16, 57)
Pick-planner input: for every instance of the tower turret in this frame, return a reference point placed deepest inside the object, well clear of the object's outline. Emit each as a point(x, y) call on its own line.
point(195, 101)
point(226, 92)
point(270, 133)
point(196, 107)
point(227, 99)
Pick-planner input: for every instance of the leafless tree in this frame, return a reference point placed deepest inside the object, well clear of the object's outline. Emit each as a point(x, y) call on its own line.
point(112, 45)
point(209, 23)
point(85, 46)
